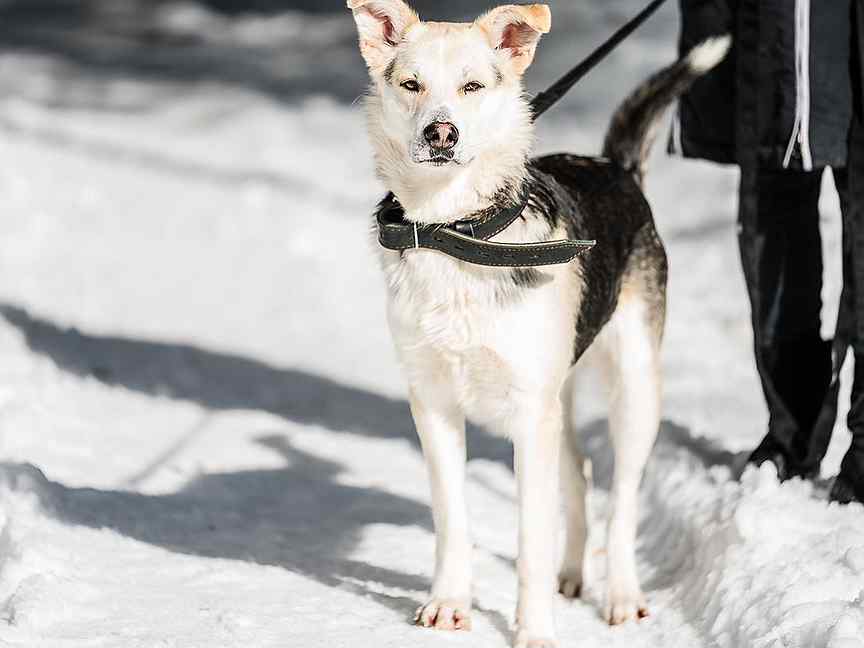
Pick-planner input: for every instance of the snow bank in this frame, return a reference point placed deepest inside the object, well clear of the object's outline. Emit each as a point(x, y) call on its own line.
point(754, 563)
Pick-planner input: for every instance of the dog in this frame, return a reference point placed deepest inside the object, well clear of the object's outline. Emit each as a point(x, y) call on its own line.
point(451, 132)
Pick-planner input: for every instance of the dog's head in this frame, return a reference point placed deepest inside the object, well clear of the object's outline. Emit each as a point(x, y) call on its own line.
point(447, 95)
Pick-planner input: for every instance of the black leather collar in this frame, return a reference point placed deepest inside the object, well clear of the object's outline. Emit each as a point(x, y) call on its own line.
point(467, 239)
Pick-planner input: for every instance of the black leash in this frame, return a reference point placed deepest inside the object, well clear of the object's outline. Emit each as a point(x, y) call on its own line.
point(467, 239)
point(546, 99)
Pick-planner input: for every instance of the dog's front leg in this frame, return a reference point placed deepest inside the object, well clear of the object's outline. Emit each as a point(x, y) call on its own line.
point(441, 427)
point(537, 443)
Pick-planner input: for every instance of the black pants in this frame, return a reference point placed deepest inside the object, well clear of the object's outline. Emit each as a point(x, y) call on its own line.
point(850, 325)
point(781, 255)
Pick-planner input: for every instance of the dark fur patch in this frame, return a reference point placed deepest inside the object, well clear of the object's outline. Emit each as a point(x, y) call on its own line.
point(600, 200)
point(525, 277)
point(513, 284)
point(390, 70)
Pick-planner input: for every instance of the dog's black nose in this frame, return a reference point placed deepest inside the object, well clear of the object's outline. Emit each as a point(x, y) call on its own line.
point(441, 135)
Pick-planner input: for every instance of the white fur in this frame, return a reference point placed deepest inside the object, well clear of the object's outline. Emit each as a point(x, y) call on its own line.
point(469, 349)
point(708, 53)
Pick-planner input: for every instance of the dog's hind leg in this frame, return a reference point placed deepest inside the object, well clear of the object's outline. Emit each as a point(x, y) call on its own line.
point(634, 418)
point(441, 427)
point(574, 489)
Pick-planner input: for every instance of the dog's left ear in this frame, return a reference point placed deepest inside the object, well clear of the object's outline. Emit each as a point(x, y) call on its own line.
point(516, 29)
point(381, 25)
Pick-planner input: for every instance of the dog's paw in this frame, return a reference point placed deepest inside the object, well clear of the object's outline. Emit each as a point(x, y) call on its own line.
point(444, 614)
point(570, 582)
point(623, 606)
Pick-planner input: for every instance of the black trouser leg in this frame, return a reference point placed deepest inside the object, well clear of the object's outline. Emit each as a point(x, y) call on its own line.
point(849, 485)
point(781, 254)
point(850, 326)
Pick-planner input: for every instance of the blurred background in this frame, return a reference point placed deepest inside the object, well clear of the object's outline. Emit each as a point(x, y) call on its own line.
point(198, 394)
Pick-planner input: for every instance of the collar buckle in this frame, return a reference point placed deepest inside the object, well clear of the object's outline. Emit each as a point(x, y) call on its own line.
point(465, 227)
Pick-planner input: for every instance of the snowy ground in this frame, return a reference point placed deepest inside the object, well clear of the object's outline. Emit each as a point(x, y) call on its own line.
point(204, 437)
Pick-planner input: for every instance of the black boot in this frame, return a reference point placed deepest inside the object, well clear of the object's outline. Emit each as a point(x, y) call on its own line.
point(787, 468)
point(796, 374)
point(849, 485)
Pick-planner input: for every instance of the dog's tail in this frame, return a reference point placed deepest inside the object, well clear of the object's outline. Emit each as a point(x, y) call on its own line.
point(633, 127)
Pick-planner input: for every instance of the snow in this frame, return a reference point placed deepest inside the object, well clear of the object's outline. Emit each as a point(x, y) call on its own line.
point(203, 432)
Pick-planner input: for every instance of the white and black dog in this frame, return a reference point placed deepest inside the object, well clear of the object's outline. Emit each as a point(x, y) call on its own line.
point(452, 130)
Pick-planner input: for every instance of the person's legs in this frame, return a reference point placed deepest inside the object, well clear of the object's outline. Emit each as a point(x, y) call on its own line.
point(781, 255)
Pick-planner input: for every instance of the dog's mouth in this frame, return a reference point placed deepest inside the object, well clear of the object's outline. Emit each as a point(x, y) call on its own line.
point(440, 158)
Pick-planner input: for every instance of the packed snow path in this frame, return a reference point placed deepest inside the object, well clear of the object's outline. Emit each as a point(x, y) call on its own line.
point(203, 433)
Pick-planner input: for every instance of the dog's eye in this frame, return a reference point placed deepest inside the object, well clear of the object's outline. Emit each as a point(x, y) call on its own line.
point(472, 86)
point(410, 85)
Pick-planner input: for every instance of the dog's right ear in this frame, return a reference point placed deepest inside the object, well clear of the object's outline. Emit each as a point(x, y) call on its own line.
point(516, 30)
point(381, 25)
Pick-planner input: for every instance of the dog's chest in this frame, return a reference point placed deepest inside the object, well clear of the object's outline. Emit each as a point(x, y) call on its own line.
point(453, 305)
point(447, 323)
point(445, 304)
point(474, 333)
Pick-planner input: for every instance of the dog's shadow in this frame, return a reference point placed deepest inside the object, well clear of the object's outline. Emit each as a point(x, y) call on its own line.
point(297, 517)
